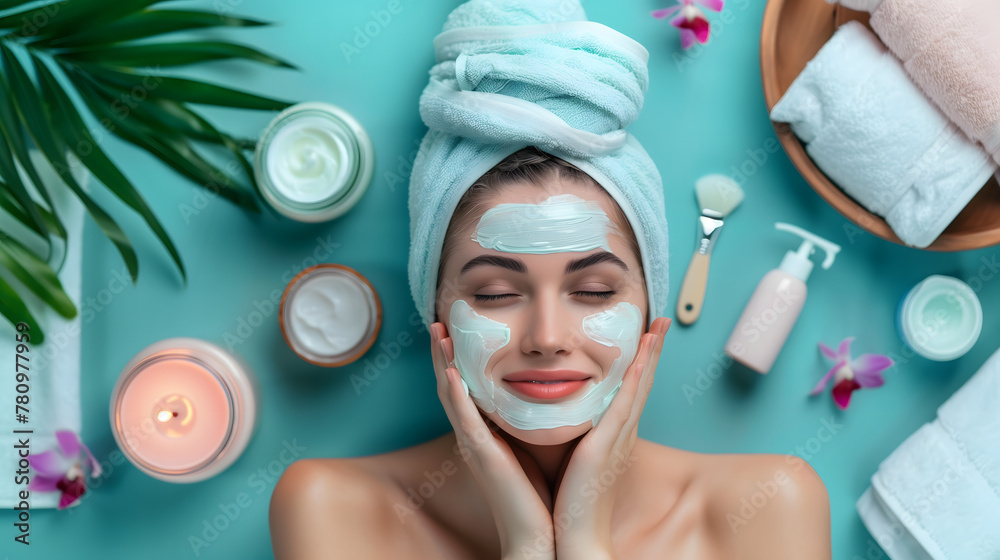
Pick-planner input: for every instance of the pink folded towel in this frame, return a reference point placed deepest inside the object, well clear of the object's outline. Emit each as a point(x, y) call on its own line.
point(951, 50)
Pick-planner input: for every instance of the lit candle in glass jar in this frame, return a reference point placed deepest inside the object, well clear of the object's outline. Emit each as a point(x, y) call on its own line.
point(183, 410)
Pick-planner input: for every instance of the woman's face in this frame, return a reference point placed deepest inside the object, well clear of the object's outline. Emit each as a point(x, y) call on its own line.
point(543, 300)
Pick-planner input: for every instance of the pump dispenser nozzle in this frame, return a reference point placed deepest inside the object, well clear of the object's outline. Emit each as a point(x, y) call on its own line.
point(798, 263)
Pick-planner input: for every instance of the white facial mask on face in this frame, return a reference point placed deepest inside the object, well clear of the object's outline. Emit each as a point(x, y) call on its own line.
point(561, 223)
point(476, 338)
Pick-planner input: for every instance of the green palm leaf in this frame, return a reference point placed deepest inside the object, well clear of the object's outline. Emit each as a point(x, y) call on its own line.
point(12, 307)
point(13, 207)
point(12, 133)
point(8, 4)
point(75, 135)
point(102, 53)
point(180, 89)
point(167, 145)
point(35, 274)
point(170, 54)
point(33, 115)
point(66, 16)
point(18, 191)
point(173, 115)
point(145, 24)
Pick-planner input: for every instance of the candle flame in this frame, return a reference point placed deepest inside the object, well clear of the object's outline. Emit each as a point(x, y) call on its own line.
point(174, 415)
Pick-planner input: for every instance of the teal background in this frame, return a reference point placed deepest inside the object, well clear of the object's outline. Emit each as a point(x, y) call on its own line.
point(704, 113)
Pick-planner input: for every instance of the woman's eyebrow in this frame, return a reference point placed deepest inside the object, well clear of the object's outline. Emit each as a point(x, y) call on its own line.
point(510, 263)
point(591, 260)
point(517, 265)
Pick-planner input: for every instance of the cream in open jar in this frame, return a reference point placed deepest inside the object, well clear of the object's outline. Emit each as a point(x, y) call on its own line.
point(940, 318)
point(330, 315)
point(313, 162)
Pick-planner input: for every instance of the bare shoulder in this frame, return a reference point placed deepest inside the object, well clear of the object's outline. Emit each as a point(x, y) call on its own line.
point(767, 506)
point(319, 501)
point(350, 507)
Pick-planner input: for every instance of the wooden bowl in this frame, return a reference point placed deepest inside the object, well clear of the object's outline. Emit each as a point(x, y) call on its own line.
point(791, 34)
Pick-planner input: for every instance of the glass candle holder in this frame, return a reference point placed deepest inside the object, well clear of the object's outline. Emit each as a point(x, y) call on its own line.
point(313, 162)
point(330, 315)
point(183, 409)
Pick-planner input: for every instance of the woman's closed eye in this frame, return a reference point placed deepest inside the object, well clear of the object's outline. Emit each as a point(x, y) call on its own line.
point(603, 295)
point(595, 295)
point(493, 297)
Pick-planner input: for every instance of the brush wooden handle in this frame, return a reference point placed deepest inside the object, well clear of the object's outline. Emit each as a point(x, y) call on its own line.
point(693, 289)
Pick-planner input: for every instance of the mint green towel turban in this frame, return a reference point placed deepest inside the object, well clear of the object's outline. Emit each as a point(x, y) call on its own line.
point(517, 73)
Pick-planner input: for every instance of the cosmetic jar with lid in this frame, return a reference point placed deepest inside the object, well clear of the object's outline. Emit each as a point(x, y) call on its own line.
point(940, 318)
point(330, 315)
point(313, 162)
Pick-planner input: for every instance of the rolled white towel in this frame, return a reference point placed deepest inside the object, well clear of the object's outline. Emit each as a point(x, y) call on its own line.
point(951, 50)
point(937, 496)
point(872, 132)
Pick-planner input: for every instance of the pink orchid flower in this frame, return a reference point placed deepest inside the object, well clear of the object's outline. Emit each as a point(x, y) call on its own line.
point(691, 21)
point(63, 469)
point(849, 375)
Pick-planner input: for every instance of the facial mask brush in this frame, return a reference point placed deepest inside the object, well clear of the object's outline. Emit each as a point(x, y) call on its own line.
point(718, 195)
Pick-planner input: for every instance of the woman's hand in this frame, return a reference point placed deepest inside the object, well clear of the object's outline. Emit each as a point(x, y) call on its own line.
point(582, 514)
point(523, 519)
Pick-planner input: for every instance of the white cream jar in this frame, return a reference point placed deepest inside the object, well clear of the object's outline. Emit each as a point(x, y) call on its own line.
point(313, 162)
point(330, 315)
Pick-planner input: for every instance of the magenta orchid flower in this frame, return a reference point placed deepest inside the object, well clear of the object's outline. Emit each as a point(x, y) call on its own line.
point(63, 469)
point(849, 375)
point(691, 20)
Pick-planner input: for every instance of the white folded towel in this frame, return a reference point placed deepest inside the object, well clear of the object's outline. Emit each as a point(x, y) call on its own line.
point(54, 395)
point(937, 496)
point(873, 132)
point(951, 50)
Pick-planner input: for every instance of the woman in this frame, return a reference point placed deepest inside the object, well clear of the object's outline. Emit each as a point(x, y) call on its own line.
point(500, 486)
point(538, 262)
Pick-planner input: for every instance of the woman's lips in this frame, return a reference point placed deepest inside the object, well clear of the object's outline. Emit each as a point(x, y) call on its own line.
point(547, 390)
point(547, 384)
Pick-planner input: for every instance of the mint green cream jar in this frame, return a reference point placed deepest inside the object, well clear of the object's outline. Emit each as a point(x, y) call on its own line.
point(940, 318)
point(313, 162)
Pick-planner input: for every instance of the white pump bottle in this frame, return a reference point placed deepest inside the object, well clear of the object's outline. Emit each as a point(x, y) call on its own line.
point(775, 305)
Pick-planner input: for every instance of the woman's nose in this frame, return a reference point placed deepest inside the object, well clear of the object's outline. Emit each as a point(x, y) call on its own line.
point(550, 328)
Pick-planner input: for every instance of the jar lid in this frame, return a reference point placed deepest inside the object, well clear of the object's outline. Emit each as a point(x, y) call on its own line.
point(330, 315)
point(941, 318)
point(313, 162)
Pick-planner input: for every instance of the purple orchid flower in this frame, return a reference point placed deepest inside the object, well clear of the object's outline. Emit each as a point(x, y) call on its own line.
point(849, 375)
point(63, 469)
point(691, 21)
